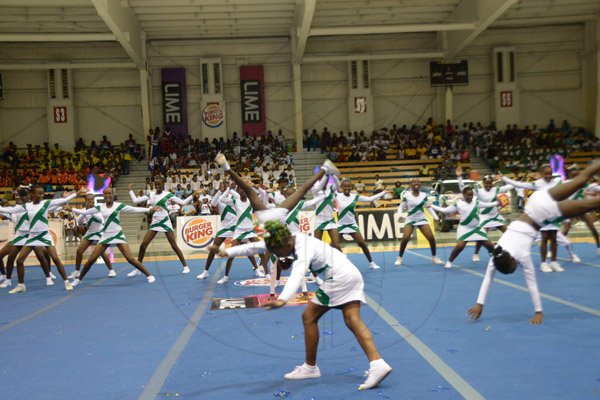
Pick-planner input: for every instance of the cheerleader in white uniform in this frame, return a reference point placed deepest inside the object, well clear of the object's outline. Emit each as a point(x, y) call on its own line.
point(469, 228)
point(415, 202)
point(325, 209)
point(342, 288)
point(20, 219)
point(587, 218)
point(550, 228)
point(514, 247)
point(293, 223)
point(94, 223)
point(160, 221)
point(489, 217)
point(346, 224)
point(243, 231)
point(112, 233)
point(228, 216)
point(260, 206)
point(39, 233)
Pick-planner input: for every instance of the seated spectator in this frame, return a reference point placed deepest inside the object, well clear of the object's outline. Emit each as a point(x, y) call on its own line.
point(398, 190)
point(424, 170)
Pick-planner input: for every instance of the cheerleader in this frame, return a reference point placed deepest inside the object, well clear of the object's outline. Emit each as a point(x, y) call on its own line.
point(514, 246)
point(160, 221)
point(550, 229)
point(39, 234)
point(244, 231)
point(489, 217)
point(20, 219)
point(415, 202)
point(94, 223)
point(469, 228)
point(342, 288)
point(346, 223)
point(228, 217)
point(112, 233)
point(325, 209)
point(587, 218)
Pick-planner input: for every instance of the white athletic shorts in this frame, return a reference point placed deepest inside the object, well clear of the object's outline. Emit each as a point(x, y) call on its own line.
point(542, 208)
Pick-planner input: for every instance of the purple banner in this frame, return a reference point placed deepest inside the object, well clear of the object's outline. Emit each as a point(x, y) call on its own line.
point(174, 101)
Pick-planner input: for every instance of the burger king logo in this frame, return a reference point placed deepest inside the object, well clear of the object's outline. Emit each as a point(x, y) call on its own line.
point(198, 233)
point(304, 225)
point(213, 115)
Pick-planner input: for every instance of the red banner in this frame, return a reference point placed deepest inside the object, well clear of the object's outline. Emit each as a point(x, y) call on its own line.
point(252, 86)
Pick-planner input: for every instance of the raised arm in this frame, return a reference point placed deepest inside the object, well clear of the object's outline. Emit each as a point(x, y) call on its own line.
point(372, 198)
point(215, 200)
point(312, 202)
point(518, 184)
point(88, 211)
point(137, 200)
point(486, 204)
point(12, 210)
point(445, 210)
point(63, 200)
point(135, 210)
point(319, 185)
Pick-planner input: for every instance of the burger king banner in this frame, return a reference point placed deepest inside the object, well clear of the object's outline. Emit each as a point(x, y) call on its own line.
point(196, 233)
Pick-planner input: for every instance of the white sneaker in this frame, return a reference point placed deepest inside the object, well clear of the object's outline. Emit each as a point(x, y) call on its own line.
point(223, 280)
point(5, 284)
point(151, 279)
point(448, 265)
point(75, 282)
point(544, 267)
point(436, 260)
point(398, 261)
point(112, 273)
point(575, 258)
point(74, 274)
point(372, 265)
point(2, 278)
point(68, 286)
point(304, 371)
point(203, 275)
point(556, 267)
point(49, 282)
point(377, 372)
point(258, 273)
point(135, 272)
point(186, 270)
point(475, 258)
point(598, 251)
point(20, 288)
point(330, 168)
point(268, 277)
point(52, 276)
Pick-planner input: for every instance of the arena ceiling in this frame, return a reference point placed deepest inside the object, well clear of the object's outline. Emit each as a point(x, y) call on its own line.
point(456, 23)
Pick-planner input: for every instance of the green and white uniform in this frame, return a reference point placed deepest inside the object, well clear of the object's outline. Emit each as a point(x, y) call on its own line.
point(20, 220)
point(346, 215)
point(292, 219)
point(112, 231)
point(160, 219)
point(489, 217)
point(342, 281)
point(325, 209)
point(227, 213)
point(244, 228)
point(416, 208)
point(39, 232)
point(469, 228)
point(94, 223)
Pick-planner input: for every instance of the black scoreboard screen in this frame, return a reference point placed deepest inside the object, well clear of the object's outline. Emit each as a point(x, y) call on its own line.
point(448, 74)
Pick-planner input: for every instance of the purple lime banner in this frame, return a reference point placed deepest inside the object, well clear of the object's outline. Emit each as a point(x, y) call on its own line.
point(252, 85)
point(174, 101)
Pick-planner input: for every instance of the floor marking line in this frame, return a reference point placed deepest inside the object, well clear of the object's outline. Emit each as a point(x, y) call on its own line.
point(50, 306)
point(156, 382)
point(550, 297)
point(451, 376)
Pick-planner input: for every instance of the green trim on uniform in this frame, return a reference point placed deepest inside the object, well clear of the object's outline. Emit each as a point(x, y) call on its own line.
point(418, 207)
point(349, 209)
point(39, 238)
point(39, 216)
point(476, 231)
point(328, 201)
point(113, 217)
point(162, 203)
point(118, 236)
point(17, 239)
point(318, 271)
point(324, 224)
point(227, 209)
point(21, 221)
point(489, 209)
point(225, 230)
point(353, 226)
point(247, 214)
point(162, 224)
point(473, 215)
point(293, 215)
point(244, 235)
point(322, 297)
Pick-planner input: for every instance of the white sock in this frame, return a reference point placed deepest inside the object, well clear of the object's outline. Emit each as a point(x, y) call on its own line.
point(377, 362)
point(310, 367)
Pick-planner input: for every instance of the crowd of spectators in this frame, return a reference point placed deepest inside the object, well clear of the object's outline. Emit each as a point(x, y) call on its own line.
point(57, 169)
